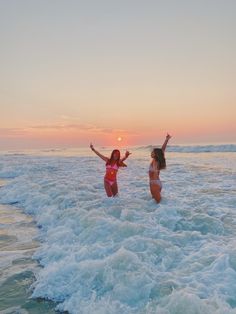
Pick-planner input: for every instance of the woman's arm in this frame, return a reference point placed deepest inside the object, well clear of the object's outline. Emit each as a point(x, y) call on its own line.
point(97, 153)
point(165, 143)
point(126, 156)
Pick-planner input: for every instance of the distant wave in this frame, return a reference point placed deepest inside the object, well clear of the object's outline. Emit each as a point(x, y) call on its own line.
point(52, 150)
point(14, 154)
point(195, 148)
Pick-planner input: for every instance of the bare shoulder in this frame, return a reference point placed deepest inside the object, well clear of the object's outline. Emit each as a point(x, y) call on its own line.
point(154, 162)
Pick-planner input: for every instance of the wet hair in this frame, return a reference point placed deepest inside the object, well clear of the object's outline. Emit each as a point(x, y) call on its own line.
point(118, 161)
point(160, 158)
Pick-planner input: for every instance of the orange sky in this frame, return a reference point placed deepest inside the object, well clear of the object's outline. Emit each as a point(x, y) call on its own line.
point(75, 74)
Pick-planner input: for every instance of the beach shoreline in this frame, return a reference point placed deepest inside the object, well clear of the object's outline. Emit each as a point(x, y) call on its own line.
point(17, 268)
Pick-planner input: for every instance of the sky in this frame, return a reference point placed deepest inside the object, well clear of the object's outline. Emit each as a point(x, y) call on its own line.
point(75, 72)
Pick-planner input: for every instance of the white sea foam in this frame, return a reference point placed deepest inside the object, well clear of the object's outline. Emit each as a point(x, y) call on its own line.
point(195, 148)
point(129, 254)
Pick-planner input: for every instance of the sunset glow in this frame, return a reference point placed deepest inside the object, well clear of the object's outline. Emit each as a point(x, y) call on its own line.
point(158, 71)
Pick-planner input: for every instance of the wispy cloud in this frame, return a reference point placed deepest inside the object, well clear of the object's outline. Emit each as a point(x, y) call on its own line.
point(80, 127)
point(58, 127)
point(12, 132)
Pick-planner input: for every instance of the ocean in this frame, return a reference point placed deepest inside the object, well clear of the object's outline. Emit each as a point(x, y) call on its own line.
point(66, 247)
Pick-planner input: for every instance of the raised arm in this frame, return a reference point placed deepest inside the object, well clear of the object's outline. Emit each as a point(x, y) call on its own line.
point(97, 153)
point(165, 143)
point(126, 156)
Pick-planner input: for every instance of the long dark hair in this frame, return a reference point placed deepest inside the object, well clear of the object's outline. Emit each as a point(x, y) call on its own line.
point(160, 158)
point(118, 161)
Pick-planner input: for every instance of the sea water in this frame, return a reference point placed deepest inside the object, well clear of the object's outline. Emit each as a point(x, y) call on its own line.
point(126, 254)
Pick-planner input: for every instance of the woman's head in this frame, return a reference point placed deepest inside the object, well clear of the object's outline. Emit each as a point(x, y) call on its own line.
point(159, 156)
point(115, 155)
point(115, 158)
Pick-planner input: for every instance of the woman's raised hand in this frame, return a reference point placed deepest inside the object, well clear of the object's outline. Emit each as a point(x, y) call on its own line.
point(127, 153)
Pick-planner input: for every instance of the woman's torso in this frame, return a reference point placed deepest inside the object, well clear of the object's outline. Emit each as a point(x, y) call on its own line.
point(111, 171)
point(154, 172)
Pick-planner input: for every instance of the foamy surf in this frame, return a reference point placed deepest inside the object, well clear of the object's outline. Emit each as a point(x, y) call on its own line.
point(129, 254)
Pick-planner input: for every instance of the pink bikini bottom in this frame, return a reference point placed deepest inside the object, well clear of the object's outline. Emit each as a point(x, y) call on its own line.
point(157, 182)
point(110, 182)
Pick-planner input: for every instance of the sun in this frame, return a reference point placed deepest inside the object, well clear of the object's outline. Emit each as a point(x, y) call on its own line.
point(119, 139)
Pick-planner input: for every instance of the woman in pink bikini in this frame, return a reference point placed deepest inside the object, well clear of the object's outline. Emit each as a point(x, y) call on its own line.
point(112, 165)
point(158, 163)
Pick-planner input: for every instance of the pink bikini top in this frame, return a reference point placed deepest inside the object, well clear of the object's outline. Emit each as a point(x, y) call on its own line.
point(115, 167)
point(152, 169)
point(111, 171)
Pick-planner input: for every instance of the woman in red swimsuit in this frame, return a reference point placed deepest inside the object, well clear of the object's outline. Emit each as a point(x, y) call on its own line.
point(112, 165)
